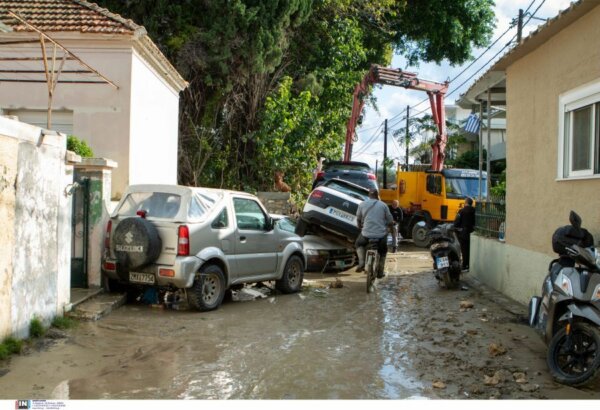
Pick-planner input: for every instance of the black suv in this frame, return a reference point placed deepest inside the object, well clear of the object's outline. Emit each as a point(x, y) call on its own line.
point(358, 173)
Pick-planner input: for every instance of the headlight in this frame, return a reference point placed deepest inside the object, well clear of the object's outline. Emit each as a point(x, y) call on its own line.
point(596, 294)
point(564, 284)
point(316, 252)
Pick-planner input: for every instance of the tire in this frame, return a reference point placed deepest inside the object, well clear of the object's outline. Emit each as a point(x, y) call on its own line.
point(112, 285)
point(579, 364)
point(419, 236)
point(450, 280)
point(301, 227)
point(136, 243)
point(371, 268)
point(208, 289)
point(293, 274)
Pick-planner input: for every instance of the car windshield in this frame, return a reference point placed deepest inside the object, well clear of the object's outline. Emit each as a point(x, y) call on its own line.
point(286, 224)
point(347, 166)
point(465, 187)
point(156, 204)
point(347, 189)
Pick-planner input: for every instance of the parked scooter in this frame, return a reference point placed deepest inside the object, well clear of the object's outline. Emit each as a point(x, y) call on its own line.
point(567, 315)
point(445, 251)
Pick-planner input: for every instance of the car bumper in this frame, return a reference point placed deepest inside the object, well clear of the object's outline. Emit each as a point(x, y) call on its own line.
point(331, 224)
point(179, 275)
point(323, 262)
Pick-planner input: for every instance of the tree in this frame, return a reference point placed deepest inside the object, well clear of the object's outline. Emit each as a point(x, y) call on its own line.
point(271, 81)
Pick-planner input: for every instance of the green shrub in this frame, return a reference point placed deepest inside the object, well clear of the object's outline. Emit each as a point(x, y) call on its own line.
point(79, 147)
point(62, 322)
point(13, 345)
point(36, 328)
point(4, 353)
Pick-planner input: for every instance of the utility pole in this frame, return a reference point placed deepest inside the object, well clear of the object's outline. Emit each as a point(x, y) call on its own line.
point(520, 26)
point(407, 134)
point(385, 155)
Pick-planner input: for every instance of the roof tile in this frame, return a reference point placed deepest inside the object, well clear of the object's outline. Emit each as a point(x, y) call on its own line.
point(64, 15)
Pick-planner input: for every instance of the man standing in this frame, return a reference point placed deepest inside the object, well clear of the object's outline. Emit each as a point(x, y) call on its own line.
point(397, 215)
point(465, 224)
point(374, 219)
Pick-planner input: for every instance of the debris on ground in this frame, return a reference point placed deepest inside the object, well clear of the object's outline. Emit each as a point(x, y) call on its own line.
point(466, 304)
point(520, 377)
point(337, 284)
point(496, 349)
point(439, 385)
point(529, 388)
point(490, 380)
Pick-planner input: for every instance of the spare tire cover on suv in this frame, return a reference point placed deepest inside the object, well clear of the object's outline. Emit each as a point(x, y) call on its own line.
point(136, 242)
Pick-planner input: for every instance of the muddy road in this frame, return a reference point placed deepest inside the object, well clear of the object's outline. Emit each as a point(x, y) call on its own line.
point(410, 339)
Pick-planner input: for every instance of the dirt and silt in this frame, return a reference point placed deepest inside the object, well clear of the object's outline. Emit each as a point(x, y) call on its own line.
point(409, 339)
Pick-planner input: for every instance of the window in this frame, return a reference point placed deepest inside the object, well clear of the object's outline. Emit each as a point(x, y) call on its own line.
point(222, 221)
point(156, 204)
point(434, 184)
point(579, 143)
point(249, 214)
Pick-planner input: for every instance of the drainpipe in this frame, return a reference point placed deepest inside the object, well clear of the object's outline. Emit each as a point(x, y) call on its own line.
point(489, 143)
point(480, 148)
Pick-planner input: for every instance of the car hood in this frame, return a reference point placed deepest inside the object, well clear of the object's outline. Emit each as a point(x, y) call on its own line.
point(317, 242)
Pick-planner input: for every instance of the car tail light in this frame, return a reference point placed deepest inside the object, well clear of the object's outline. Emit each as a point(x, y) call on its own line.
point(320, 175)
point(372, 177)
point(317, 195)
point(107, 236)
point(110, 266)
point(183, 242)
point(141, 213)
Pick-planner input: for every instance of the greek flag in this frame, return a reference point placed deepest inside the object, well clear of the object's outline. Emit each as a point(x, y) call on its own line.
point(472, 124)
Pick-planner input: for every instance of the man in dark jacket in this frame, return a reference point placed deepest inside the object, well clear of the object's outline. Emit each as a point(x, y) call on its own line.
point(465, 224)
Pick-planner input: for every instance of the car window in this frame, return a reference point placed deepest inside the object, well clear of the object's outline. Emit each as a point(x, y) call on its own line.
point(347, 189)
point(249, 214)
point(156, 204)
point(286, 224)
point(221, 221)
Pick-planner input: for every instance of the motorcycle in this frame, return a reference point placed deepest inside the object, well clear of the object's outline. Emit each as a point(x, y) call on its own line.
point(445, 251)
point(567, 315)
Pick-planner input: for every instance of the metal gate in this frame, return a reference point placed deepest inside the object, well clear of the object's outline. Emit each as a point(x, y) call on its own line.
point(80, 233)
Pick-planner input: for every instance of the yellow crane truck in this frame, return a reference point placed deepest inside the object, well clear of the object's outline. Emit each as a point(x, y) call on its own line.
point(429, 198)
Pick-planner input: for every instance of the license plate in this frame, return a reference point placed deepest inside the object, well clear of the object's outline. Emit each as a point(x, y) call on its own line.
point(442, 262)
point(341, 214)
point(139, 277)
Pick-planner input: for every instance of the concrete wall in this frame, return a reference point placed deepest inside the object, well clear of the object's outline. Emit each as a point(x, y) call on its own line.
point(35, 233)
point(514, 271)
point(135, 125)
point(538, 203)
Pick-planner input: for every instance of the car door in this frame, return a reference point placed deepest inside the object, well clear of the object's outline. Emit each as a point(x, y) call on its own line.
point(255, 246)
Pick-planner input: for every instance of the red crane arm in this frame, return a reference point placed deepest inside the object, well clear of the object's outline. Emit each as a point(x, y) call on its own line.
point(399, 78)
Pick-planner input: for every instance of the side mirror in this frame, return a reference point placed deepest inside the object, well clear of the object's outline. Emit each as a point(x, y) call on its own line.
point(269, 224)
point(575, 219)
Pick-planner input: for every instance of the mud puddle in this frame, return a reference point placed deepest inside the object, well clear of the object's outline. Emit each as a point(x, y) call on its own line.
point(410, 339)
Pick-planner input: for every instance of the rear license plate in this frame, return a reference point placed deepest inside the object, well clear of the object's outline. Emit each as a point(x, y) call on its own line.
point(138, 277)
point(341, 215)
point(442, 262)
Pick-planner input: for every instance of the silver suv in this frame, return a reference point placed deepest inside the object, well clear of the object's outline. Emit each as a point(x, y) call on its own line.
point(201, 240)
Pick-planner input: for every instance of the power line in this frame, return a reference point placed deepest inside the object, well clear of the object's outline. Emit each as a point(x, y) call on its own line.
point(370, 141)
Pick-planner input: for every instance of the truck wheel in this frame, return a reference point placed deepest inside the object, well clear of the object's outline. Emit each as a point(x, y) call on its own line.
point(208, 289)
point(291, 281)
point(419, 235)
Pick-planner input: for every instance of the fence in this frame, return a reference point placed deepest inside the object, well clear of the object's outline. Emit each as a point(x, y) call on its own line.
point(490, 217)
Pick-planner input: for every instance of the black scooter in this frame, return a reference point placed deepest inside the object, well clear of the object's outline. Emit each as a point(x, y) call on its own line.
point(567, 315)
point(445, 251)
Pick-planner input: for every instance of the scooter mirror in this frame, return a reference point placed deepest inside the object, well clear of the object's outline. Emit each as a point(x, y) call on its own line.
point(575, 219)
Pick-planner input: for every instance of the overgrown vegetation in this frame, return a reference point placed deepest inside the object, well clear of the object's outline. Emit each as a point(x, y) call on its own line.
point(79, 147)
point(10, 346)
point(63, 322)
point(271, 82)
point(36, 328)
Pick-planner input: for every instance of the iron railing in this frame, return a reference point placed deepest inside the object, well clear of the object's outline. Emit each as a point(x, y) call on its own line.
point(490, 217)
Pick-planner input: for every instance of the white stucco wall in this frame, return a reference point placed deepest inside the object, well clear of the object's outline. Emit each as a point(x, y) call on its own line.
point(154, 127)
point(514, 271)
point(35, 237)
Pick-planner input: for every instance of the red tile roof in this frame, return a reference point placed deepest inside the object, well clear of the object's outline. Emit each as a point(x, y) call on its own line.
point(65, 15)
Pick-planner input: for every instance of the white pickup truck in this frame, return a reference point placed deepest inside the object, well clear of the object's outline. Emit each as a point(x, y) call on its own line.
point(200, 240)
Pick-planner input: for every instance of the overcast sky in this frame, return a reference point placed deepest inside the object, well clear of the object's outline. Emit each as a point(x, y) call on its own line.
point(392, 101)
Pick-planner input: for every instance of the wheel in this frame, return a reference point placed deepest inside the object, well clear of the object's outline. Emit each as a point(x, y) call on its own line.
point(293, 274)
point(419, 235)
point(208, 289)
point(577, 362)
point(371, 268)
point(450, 280)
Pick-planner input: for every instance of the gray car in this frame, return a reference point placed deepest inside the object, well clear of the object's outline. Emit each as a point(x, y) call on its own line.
point(200, 240)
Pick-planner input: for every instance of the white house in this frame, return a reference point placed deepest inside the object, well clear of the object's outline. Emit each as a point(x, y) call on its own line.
point(135, 125)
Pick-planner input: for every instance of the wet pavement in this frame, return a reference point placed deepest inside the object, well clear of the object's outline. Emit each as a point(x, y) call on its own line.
point(409, 339)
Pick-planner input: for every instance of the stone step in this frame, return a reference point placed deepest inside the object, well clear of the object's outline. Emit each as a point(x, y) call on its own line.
point(97, 306)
